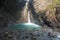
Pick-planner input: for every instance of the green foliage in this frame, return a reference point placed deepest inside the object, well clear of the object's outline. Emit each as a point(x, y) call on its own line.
point(54, 4)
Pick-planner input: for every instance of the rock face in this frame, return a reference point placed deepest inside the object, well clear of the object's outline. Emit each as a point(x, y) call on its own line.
point(9, 11)
point(41, 4)
point(49, 17)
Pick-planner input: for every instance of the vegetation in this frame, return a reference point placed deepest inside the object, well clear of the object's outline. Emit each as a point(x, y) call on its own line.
point(54, 4)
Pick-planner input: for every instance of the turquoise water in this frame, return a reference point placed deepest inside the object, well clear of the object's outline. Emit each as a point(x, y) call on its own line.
point(29, 26)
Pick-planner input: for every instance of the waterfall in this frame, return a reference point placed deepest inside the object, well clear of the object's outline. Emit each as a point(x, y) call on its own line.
point(28, 12)
point(25, 15)
point(29, 21)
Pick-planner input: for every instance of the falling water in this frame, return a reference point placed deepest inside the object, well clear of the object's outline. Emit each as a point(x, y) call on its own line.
point(28, 12)
point(29, 21)
point(25, 9)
